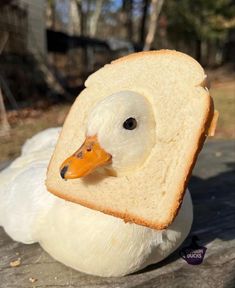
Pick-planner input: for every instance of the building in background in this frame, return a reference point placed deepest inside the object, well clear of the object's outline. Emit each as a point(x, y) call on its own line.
point(23, 52)
point(22, 24)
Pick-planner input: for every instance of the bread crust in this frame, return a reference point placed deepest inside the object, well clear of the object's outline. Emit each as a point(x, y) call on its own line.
point(198, 148)
point(128, 217)
point(156, 52)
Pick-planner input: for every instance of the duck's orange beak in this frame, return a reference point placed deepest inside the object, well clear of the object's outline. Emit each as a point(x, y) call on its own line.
point(85, 160)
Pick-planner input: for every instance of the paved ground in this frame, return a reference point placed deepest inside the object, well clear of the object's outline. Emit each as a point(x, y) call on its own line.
point(213, 190)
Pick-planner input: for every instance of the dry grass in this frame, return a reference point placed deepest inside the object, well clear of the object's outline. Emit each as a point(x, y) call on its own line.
point(224, 100)
point(22, 129)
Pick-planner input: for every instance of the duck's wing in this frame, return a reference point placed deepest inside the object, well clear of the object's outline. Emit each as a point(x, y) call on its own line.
point(175, 234)
point(45, 139)
point(24, 199)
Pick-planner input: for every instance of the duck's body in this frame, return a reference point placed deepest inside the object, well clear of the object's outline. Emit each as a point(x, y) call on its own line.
point(84, 239)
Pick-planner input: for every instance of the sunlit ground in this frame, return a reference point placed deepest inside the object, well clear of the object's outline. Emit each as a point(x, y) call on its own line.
point(224, 100)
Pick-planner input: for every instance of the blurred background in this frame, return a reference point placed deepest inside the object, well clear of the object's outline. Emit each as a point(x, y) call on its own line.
point(49, 47)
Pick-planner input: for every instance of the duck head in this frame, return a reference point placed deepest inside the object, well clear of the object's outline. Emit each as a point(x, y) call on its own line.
point(120, 136)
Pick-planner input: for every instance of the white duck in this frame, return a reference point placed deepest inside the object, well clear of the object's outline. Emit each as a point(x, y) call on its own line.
point(82, 238)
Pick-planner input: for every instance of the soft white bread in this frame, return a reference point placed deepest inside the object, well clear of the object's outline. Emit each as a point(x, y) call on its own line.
point(151, 194)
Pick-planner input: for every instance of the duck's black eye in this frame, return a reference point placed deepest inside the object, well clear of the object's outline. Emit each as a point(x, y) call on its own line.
point(130, 123)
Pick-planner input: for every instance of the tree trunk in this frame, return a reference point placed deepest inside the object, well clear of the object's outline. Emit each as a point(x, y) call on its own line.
point(126, 19)
point(95, 18)
point(3, 41)
point(74, 19)
point(143, 21)
point(156, 6)
point(198, 54)
point(129, 20)
point(5, 126)
point(80, 16)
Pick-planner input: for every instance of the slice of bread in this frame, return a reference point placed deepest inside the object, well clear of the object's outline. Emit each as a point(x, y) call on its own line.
point(183, 110)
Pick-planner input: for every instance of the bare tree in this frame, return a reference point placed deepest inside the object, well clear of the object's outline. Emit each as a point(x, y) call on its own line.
point(94, 18)
point(145, 5)
point(126, 18)
point(80, 16)
point(74, 27)
point(5, 126)
point(156, 6)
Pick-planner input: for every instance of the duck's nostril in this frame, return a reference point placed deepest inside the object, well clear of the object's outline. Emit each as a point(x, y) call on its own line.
point(79, 155)
point(63, 171)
